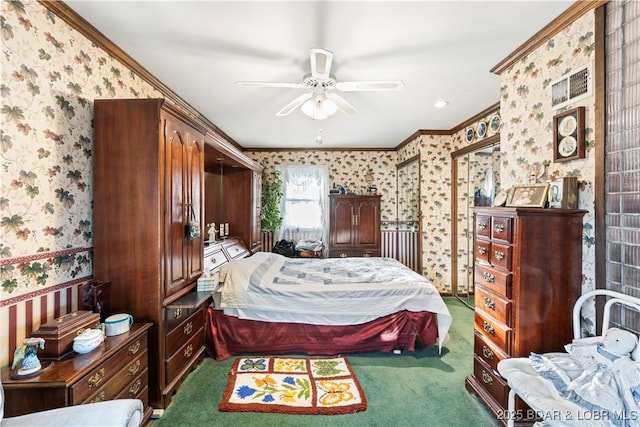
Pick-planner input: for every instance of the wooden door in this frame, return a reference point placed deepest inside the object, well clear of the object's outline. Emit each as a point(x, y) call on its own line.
point(175, 177)
point(182, 193)
point(342, 220)
point(195, 197)
point(367, 223)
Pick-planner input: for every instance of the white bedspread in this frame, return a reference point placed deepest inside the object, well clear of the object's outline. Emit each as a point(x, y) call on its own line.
point(334, 291)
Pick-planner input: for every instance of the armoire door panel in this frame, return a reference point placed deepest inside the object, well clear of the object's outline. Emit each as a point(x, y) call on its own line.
point(367, 231)
point(343, 219)
point(175, 172)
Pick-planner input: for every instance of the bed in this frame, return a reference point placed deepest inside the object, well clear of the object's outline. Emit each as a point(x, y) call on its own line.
point(268, 303)
point(576, 388)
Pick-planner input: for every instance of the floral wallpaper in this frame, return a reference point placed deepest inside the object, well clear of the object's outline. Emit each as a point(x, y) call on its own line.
point(50, 76)
point(346, 168)
point(527, 117)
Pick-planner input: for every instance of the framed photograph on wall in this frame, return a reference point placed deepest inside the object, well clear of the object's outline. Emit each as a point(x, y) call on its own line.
point(528, 195)
point(563, 193)
point(568, 135)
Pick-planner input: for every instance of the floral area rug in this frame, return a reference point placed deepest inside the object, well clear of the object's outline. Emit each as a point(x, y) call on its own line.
point(293, 386)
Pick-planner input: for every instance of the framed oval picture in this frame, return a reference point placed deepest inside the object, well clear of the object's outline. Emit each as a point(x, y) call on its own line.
point(481, 129)
point(469, 134)
point(494, 123)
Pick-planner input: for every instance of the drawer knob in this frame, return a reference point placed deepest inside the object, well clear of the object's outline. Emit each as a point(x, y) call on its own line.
point(482, 226)
point(487, 378)
point(135, 388)
point(489, 303)
point(188, 328)
point(488, 354)
point(99, 398)
point(499, 228)
point(488, 328)
point(499, 255)
point(188, 351)
point(482, 250)
point(134, 368)
point(488, 277)
point(177, 313)
point(96, 379)
point(134, 348)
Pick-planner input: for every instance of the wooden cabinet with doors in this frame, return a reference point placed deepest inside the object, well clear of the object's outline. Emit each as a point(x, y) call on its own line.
point(528, 275)
point(354, 226)
point(233, 192)
point(148, 186)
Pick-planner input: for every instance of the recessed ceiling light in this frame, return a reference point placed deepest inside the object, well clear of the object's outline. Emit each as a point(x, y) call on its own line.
point(441, 104)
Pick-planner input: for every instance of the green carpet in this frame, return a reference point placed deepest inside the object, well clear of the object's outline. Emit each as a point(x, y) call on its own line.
point(413, 389)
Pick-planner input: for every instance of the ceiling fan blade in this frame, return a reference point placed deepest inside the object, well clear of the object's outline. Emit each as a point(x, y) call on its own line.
point(342, 104)
point(379, 85)
point(320, 63)
point(271, 84)
point(294, 104)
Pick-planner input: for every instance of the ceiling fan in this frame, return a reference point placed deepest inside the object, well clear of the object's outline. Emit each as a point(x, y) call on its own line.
point(320, 103)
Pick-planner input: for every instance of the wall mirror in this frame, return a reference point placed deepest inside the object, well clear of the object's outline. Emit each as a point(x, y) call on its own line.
point(475, 177)
point(408, 241)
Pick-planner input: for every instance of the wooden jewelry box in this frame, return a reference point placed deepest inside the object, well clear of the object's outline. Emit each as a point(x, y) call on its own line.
point(59, 333)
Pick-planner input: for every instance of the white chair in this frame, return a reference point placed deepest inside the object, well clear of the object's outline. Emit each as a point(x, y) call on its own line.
point(539, 393)
point(120, 412)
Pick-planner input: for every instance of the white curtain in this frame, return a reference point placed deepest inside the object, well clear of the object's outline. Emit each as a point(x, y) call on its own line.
point(304, 205)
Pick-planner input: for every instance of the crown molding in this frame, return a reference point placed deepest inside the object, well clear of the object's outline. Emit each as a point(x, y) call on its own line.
point(574, 12)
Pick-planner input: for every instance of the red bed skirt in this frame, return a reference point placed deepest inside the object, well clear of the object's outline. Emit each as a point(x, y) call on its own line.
point(227, 336)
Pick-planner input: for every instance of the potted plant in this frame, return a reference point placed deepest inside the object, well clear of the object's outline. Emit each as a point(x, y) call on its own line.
point(270, 218)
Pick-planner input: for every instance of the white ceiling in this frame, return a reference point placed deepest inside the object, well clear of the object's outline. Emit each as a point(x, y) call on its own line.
point(440, 49)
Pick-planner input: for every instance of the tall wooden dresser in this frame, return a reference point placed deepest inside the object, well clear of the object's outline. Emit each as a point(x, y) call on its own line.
point(148, 185)
point(354, 229)
point(528, 274)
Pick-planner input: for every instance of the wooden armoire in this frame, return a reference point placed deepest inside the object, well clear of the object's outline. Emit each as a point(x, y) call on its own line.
point(354, 226)
point(148, 185)
point(527, 276)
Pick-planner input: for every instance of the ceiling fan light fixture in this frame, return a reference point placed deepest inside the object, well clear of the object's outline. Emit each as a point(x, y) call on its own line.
point(319, 107)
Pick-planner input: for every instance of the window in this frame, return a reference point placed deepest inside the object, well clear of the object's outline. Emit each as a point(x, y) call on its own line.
point(304, 202)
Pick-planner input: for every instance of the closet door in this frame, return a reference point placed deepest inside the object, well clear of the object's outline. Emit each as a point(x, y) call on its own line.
point(195, 197)
point(367, 223)
point(175, 134)
point(184, 175)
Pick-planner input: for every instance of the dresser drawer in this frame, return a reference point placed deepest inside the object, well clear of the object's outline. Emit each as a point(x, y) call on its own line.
point(490, 381)
point(500, 256)
point(175, 316)
point(501, 228)
point(136, 389)
point(496, 306)
point(497, 333)
point(184, 331)
point(106, 377)
point(497, 281)
point(487, 352)
point(482, 250)
point(483, 226)
point(214, 260)
point(236, 250)
point(181, 358)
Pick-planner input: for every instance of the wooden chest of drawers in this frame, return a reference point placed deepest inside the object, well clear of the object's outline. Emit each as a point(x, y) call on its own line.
point(527, 275)
point(115, 370)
